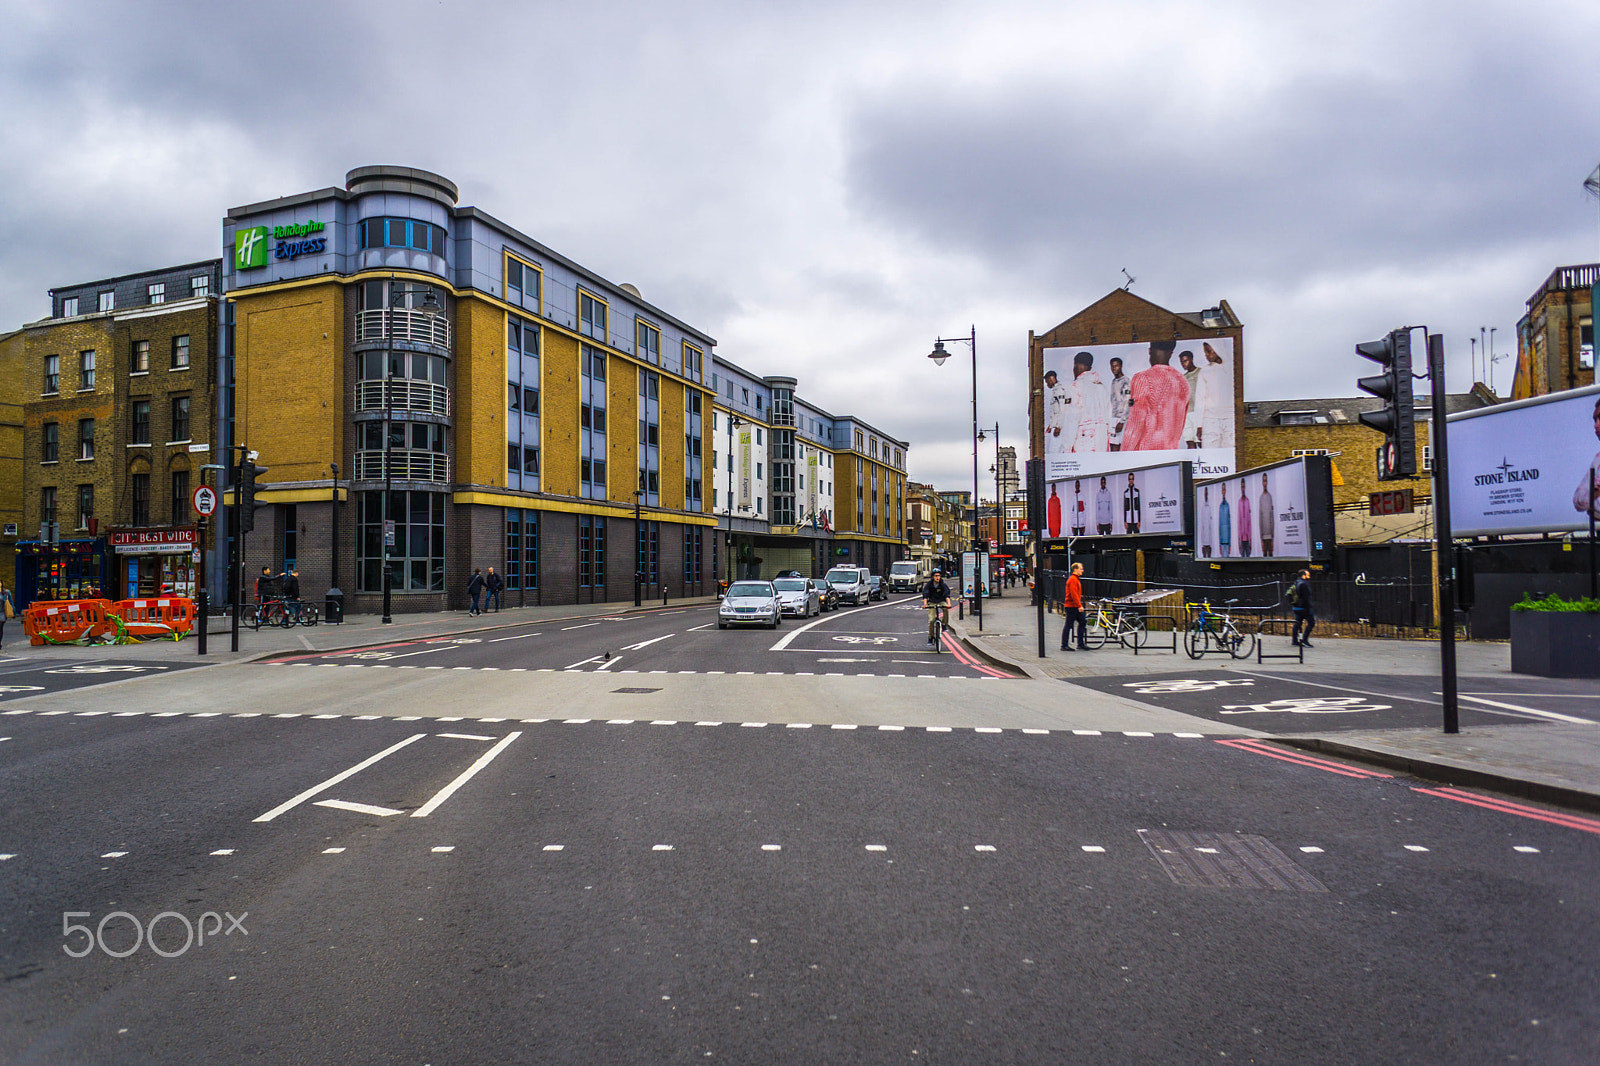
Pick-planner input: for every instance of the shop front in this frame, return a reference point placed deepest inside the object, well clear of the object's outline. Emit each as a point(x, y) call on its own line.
point(71, 569)
point(155, 562)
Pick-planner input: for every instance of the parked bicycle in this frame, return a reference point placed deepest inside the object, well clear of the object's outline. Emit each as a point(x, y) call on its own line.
point(283, 613)
point(1212, 630)
point(1108, 622)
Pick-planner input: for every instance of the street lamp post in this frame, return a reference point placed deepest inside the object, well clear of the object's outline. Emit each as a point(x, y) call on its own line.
point(638, 551)
point(734, 422)
point(939, 355)
point(430, 306)
point(999, 502)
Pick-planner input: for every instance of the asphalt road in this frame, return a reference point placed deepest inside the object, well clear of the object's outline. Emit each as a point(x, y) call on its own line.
point(412, 888)
point(21, 677)
point(1329, 702)
point(884, 639)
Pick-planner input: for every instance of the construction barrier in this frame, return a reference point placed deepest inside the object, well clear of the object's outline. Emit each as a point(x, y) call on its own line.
point(165, 616)
point(67, 621)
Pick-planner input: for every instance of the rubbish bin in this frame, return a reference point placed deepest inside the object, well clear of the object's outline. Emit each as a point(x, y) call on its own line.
point(333, 607)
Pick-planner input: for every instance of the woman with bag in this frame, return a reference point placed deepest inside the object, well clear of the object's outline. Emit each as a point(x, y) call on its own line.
point(8, 612)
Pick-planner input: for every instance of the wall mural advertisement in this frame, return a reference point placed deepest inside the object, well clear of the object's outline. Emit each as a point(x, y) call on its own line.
point(1122, 503)
point(1167, 400)
point(1260, 515)
point(1527, 467)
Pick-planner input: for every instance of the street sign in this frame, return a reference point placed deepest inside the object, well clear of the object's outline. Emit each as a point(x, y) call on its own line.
point(1395, 501)
point(205, 500)
point(388, 533)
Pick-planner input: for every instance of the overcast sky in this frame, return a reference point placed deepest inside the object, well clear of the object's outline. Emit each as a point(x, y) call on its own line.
point(826, 187)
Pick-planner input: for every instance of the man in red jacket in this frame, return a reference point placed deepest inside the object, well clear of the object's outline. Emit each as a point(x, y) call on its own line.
point(1073, 605)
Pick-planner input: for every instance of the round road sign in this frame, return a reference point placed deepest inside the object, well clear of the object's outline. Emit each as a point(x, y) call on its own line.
point(205, 500)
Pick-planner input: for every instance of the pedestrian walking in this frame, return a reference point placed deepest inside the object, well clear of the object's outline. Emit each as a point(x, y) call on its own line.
point(7, 610)
point(1072, 605)
point(475, 589)
point(290, 582)
point(1302, 611)
point(492, 584)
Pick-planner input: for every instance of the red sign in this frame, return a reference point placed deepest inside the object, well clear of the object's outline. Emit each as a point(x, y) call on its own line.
point(151, 537)
point(1395, 501)
point(205, 500)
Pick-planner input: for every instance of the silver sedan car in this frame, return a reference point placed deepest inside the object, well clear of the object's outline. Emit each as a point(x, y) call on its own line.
point(798, 596)
point(749, 603)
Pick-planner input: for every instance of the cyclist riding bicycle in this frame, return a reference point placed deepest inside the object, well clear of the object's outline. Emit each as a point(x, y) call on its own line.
point(936, 600)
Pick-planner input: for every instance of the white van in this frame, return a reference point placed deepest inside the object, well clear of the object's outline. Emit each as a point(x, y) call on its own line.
point(908, 575)
point(851, 583)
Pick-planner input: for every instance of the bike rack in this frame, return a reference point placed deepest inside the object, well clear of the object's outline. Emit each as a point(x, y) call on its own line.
point(1149, 636)
point(1299, 652)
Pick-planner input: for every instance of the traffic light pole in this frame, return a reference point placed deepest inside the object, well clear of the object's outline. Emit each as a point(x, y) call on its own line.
point(236, 542)
point(1445, 547)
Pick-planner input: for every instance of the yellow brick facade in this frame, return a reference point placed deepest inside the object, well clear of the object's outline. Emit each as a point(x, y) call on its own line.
point(558, 415)
point(289, 400)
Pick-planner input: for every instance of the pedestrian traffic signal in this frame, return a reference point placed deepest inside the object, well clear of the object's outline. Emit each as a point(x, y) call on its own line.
point(249, 472)
point(1397, 420)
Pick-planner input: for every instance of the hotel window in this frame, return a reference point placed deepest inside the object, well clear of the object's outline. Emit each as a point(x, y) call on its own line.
point(52, 374)
point(141, 499)
point(522, 284)
point(694, 363)
point(180, 352)
point(417, 559)
point(200, 285)
point(47, 504)
point(85, 505)
point(158, 295)
point(650, 436)
point(180, 496)
point(692, 445)
point(69, 307)
point(592, 423)
point(108, 301)
point(85, 438)
point(140, 361)
point(180, 419)
point(402, 233)
point(592, 315)
point(522, 549)
point(140, 433)
point(591, 551)
point(86, 370)
point(522, 403)
point(50, 447)
point(647, 551)
point(647, 343)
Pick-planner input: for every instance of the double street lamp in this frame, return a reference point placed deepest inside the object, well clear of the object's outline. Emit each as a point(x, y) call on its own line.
point(939, 355)
point(430, 307)
point(999, 498)
point(734, 422)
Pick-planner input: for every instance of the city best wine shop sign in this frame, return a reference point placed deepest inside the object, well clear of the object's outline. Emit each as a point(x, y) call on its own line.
point(250, 245)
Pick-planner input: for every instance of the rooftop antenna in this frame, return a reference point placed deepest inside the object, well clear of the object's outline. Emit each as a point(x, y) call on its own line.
point(1132, 279)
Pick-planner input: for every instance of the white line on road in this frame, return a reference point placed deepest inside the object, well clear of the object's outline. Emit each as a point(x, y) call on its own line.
point(583, 662)
point(1095, 848)
point(783, 643)
point(333, 851)
point(464, 736)
point(877, 847)
point(223, 851)
point(444, 850)
point(449, 790)
point(555, 847)
point(336, 778)
point(608, 664)
point(519, 636)
point(647, 643)
point(358, 808)
point(661, 847)
point(697, 629)
point(586, 625)
point(1552, 715)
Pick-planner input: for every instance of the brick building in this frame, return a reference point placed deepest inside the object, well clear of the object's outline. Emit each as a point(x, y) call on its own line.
point(13, 394)
point(1555, 339)
point(118, 419)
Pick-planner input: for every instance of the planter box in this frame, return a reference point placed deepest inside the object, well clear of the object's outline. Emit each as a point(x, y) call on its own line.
point(1555, 643)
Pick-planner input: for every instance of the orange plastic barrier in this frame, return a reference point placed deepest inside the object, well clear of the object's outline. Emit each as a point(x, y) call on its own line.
point(164, 616)
point(66, 621)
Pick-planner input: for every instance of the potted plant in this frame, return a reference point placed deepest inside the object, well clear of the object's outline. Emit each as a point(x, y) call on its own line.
point(1555, 637)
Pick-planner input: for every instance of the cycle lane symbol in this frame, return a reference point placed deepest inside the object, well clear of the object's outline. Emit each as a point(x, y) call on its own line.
point(1168, 686)
point(1307, 705)
point(850, 639)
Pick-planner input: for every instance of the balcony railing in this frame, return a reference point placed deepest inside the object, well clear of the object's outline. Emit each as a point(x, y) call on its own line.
point(413, 327)
point(408, 465)
point(404, 395)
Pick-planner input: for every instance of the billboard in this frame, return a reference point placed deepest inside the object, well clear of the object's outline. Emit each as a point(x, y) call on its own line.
point(1166, 400)
point(1283, 511)
point(1146, 502)
point(1525, 467)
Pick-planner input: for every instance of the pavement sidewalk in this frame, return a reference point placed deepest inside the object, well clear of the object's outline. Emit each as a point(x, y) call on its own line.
point(1556, 763)
point(356, 631)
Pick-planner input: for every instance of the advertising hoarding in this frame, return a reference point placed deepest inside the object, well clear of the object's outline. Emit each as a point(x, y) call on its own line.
point(1525, 467)
point(1283, 511)
point(1145, 502)
point(1165, 400)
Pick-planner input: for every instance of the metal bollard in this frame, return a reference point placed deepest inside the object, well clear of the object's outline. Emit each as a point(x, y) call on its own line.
point(663, 595)
point(202, 621)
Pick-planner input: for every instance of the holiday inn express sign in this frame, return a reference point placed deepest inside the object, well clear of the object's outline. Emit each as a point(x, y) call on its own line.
point(250, 244)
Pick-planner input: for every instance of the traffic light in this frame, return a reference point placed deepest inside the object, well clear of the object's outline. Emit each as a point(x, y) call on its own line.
point(1396, 421)
point(248, 473)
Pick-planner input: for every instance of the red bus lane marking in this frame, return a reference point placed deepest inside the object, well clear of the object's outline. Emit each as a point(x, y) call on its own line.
point(969, 659)
point(1258, 748)
point(1570, 821)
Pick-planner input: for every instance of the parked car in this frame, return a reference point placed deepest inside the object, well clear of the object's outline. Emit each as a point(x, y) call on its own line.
point(828, 595)
point(798, 596)
point(880, 591)
point(851, 583)
point(750, 603)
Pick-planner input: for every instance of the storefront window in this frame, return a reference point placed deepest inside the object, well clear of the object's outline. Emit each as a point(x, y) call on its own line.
point(416, 560)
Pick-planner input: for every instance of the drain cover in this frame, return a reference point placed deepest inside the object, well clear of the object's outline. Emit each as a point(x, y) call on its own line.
point(636, 690)
point(1226, 860)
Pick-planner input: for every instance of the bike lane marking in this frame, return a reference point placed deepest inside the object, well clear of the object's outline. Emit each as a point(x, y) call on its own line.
point(336, 778)
point(449, 790)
